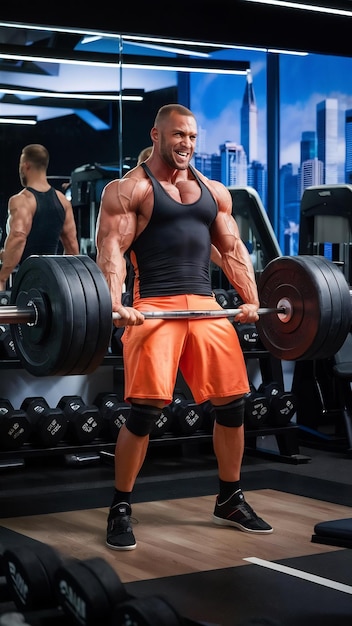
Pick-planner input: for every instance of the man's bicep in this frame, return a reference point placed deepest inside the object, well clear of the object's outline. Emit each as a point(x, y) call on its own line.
point(19, 219)
point(224, 232)
point(116, 230)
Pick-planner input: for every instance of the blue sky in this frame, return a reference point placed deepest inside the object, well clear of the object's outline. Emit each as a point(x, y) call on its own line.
point(304, 81)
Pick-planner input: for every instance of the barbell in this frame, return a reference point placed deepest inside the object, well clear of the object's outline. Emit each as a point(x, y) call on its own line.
point(60, 312)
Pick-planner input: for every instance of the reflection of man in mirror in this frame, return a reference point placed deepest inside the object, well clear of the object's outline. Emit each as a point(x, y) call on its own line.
point(39, 217)
point(144, 154)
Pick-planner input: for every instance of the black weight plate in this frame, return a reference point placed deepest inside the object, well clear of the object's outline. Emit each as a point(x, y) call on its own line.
point(103, 320)
point(44, 349)
point(303, 284)
point(91, 312)
point(79, 317)
point(342, 310)
point(329, 294)
point(326, 345)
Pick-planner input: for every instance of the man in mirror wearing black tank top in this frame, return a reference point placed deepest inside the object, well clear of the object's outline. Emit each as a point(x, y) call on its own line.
point(39, 216)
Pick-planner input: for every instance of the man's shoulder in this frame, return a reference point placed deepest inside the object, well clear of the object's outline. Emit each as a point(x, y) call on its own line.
point(22, 197)
point(131, 179)
point(214, 185)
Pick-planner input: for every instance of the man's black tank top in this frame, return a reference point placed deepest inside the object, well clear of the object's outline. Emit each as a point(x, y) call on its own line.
point(172, 255)
point(48, 221)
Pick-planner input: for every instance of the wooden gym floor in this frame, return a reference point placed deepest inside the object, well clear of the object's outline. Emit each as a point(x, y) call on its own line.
point(215, 575)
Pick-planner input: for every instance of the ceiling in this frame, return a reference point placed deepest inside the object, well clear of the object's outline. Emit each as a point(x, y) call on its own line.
point(47, 73)
point(224, 21)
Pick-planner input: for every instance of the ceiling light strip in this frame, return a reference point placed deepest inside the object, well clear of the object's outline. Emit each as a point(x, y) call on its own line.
point(13, 120)
point(69, 96)
point(304, 7)
point(137, 62)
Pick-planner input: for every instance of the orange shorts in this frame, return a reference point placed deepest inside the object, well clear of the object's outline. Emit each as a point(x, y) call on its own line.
point(206, 351)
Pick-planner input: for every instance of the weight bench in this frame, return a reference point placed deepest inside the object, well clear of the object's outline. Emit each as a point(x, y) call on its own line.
point(339, 532)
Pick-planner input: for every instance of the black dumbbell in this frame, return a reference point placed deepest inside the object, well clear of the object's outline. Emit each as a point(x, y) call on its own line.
point(50, 589)
point(5, 297)
point(29, 573)
point(149, 611)
point(114, 414)
point(88, 591)
point(208, 417)
point(256, 408)
point(84, 420)
point(15, 428)
point(75, 592)
point(221, 297)
point(234, 299)
point(163, 424)
point(248, 335)
point(282, 404)
point(49, 425)
point(7, 346)
point(187, 416)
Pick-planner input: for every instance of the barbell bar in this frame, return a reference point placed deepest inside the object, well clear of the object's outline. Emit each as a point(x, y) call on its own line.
point(197, 315)
point(61, 317)
point(31, 314)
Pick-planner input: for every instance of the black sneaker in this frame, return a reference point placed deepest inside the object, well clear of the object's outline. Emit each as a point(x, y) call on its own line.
point(237, 513)
point(119, 534)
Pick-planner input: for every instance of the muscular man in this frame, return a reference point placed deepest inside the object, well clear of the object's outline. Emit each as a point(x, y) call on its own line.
point(39, 216)
point(167, 215)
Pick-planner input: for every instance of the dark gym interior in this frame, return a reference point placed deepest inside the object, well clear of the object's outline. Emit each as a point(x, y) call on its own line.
point(298, 473)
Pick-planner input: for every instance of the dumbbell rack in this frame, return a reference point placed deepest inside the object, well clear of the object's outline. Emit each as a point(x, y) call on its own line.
point(286, 436)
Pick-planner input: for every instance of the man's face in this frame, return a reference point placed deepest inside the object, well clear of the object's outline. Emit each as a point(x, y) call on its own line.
point(177, 140)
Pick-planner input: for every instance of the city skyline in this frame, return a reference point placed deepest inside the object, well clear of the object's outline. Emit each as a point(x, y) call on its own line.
point(304, 82)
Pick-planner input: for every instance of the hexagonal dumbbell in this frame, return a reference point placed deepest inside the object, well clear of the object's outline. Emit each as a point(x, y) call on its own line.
point(187, 415)
point(7, 346)
point(282, 404)
point(84, 420)
point(114, 414)
point(256, 409)
point(49, 425)
point(15, 428)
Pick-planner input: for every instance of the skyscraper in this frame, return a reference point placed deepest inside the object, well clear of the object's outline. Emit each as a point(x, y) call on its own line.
point(327, 134)
point(249, 121)
point(311, 170)
point(308, 145)
point(348, 149)
point(233, 164)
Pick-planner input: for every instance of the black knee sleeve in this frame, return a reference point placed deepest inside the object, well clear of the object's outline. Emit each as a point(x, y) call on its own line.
point(231, 414)
point(142, 419)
